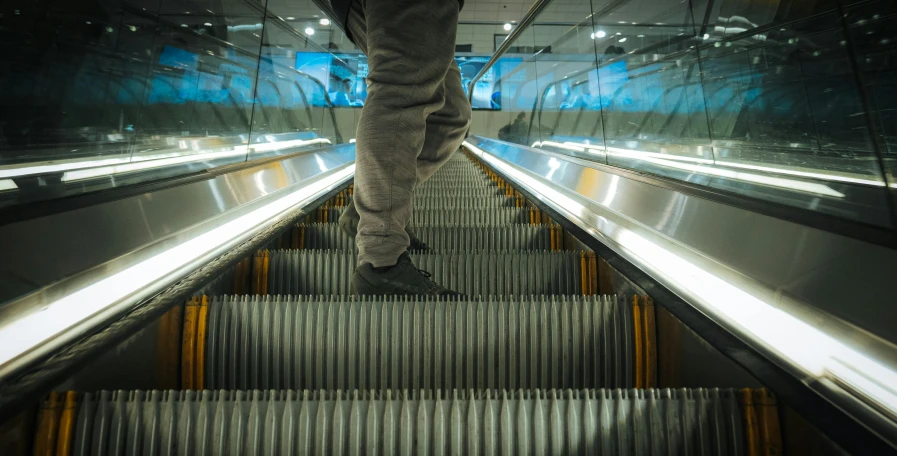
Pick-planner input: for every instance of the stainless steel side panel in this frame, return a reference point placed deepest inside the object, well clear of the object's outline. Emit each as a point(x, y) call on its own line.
point(42, 251)
point(45, 261)
point(819, 304)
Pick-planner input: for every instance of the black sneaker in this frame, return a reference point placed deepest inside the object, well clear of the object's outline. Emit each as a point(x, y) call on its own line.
point(402, 279)
point(348, 222)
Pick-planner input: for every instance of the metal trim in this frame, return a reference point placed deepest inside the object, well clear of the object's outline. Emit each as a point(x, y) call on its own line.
point(787, 272)
point(224, 212)
point(522, 25)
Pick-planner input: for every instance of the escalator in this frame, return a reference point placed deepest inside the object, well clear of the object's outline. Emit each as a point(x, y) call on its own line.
point(276, 356)
point(666, 235)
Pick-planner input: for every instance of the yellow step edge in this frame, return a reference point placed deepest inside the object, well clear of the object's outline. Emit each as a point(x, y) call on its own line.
point(649, 334)
point(47, 432)
point(639, 348)
point(168, 349)
point(188, 344)
point(199, 380)
point(65, 438)
point(583, 274)
point(762, 431)
point(645, 336)
point(593, 273)
point(263, 275)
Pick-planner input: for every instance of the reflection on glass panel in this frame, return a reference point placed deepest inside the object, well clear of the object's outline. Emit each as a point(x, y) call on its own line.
point(773, 100)
point(102, 95)
point(872, 33)
point(650, 80)
point(504, 97)
point(566, 108)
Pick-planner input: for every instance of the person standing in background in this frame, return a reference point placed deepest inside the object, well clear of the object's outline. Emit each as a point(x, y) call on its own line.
point(415, 117)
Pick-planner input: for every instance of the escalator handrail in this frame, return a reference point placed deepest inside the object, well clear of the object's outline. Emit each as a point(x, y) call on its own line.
point(522, 25)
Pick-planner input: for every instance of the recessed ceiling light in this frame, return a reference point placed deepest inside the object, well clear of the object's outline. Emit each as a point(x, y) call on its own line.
point(600, 34)
point(324, 21)
point(208, 24)
point(622, 40)
point(507, 26)
point(618, 33)
point(621, 22)
point(309, 31)
point(641, 36)
point(290, 18)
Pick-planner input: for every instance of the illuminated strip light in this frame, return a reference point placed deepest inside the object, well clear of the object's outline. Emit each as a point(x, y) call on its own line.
point(7, 184)
point(781, 182)
point(812, 350)
point(43, 169)
point(81, 174)
point(569, 146)
point(265, 147)
point(89, 173)
point(667, 161)
point(638, 154)
point(63, 315)
point(821, 176)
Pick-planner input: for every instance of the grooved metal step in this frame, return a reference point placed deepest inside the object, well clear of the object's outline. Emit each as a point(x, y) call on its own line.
point(499, 216)
point(283, 342)
point(465, 192)
point(450, 202)
point(329, 272)
point(505, 237)
point(687, 421)
point(445, 216)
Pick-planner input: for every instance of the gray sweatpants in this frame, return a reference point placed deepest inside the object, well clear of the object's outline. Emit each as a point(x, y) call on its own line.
point(414, 119)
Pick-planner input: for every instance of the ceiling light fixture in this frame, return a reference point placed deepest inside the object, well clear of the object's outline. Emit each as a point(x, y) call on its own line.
point(507, 26)
point(600, 34)
point(622, 40)
point(324, 21)
point(309, 31)
point(290, 18)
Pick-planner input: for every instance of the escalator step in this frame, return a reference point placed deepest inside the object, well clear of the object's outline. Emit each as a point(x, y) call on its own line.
point(480, 182)
point(449, 202)
point(329, 272)
point(282, 342)
point(463, 192)
point(498, 216)
point(507, 237)
point(687, 421)
point(445, 216)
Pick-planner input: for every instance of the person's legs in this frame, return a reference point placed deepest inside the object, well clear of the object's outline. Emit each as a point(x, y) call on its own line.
point(445, 128)
point(410, 48)
point(444, 134)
